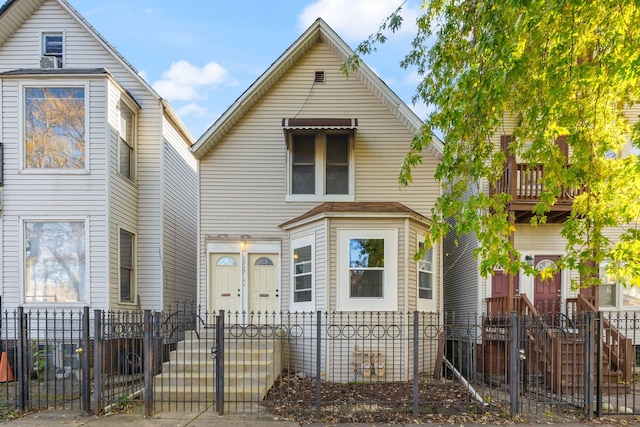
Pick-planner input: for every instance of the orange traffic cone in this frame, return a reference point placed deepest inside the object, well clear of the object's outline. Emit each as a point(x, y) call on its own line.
point(6, 374)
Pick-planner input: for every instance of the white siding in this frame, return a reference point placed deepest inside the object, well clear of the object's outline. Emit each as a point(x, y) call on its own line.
point(55, 196)
point(318, 231)
point(123, 206)
point(179, 220)
point(108, 200)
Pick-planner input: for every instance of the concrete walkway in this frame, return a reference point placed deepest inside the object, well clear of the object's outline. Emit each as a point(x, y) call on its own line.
point(209, 418)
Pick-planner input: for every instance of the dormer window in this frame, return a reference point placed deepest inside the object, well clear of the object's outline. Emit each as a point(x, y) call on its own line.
point(52, 49)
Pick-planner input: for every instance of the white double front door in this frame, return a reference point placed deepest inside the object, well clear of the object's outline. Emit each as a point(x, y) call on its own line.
point(244, 282)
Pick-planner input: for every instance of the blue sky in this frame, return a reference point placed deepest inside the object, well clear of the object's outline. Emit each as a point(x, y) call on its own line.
point(201, 55)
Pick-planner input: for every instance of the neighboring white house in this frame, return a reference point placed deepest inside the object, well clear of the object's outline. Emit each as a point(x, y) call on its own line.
point(300, 206)
point(99, 188)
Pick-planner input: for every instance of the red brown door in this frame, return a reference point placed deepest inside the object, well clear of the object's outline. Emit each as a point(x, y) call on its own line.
point(546, 293)
point(500, 283)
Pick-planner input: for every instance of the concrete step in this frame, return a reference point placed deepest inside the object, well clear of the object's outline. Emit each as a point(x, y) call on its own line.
point(232, 394)
point(186, 379)
point(206, 345)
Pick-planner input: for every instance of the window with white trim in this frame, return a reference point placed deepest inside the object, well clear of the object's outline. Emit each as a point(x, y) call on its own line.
point(321, 165)
point(53, 46)
point(54, 261)
point(127, 267)
point(425, 273)
point(367, 270)
point(126, 147)
point(613, 293)
point(54, 127)
point(303, 271)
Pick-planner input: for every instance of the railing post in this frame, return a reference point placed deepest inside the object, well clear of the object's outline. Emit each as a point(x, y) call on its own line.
point(589, 363)
point(599, 357)
point(157, 342)
point(514, 377)
point(97, 362)
point(84, 358)
point(416, 330)
point(318, 362)
point(148, 358)
point(23, 364)
point(220, 362)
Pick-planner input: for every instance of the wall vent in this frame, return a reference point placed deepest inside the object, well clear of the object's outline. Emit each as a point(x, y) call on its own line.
point(319, 77)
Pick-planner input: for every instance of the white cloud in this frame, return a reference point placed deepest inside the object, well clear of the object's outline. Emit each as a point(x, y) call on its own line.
point(355, 19)
point(195, 110)
point(413, 78)
point(184, 81)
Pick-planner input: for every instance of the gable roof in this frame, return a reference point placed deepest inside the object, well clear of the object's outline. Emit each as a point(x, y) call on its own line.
point(14, 13)
point(318, 32)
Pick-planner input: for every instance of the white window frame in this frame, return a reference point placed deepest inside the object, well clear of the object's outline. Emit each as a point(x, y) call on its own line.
point(320, 168)
point(23, 265)
point(619, 290)
point(300, 243)
point(421, 269)
point(132, 144)
point(22, 149)
point(389, 300)
point(423, 304)
point(133, 282)
point(43, 45)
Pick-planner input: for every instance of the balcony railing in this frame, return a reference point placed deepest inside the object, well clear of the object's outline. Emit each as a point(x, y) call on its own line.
point(524, 183)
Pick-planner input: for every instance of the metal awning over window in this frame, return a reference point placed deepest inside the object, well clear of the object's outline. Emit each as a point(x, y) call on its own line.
point(297, 125)
point(302, 124)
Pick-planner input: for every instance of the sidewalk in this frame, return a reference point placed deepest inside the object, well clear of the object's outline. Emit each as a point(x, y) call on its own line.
point(209, 418)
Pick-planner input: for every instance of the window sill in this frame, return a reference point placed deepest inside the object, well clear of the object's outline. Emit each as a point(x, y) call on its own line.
point(316, 198)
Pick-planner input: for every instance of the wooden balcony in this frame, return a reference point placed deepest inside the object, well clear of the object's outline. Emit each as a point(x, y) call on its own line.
point(524, 183)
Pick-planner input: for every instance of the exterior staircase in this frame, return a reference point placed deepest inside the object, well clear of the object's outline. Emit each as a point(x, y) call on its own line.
point(556, 350)
point(251, 366)
point(565, 371)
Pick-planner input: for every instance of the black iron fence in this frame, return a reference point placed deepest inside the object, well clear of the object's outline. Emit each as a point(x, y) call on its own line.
point(331, 366)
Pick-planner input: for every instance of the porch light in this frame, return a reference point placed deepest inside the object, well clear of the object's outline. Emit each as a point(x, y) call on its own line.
point(243, 243)
point(529, 260)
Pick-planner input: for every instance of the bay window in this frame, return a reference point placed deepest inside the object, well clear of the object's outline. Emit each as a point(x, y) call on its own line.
point(55, 261)
point(367, 269)
point(127, 260)
point(54, 127)
point(303, 273)
point(127, 141)
point(425, 273)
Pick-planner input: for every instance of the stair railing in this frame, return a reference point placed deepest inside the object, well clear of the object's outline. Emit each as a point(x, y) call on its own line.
point(616, 346)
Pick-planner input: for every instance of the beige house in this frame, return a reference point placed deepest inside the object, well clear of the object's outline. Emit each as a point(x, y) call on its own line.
point(300, 207)
point(471, 296)
point(100, 207)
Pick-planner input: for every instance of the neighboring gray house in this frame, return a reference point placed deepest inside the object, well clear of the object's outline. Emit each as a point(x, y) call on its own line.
point(99, 188)
point(300, 206)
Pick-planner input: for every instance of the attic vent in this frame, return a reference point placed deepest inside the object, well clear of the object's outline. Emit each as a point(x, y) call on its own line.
point(319, 77)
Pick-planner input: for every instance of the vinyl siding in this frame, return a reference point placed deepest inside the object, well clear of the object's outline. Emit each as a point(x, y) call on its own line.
point(106, 198)
point(55, 196)
point(123, 207)
point(462, 286)
point(367, 224)
point(318, 230)
point(243, 179)
point(179, 228)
